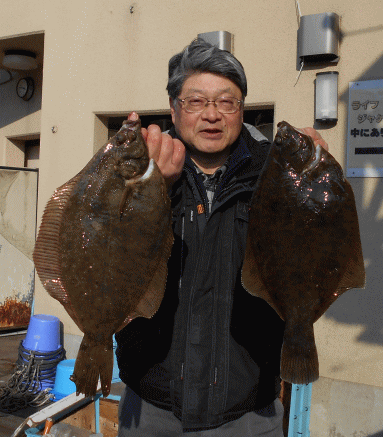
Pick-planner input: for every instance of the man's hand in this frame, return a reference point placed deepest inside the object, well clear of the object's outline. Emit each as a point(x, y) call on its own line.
point(169, 153)
point(314, 134)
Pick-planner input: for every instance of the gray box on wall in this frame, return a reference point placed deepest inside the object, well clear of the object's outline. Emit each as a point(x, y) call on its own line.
point(318, 38)
point(220, 38)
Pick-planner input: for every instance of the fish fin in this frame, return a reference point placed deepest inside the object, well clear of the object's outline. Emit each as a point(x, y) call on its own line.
point(46, 254)
point(152, 299)
point(93, 360)
point(299, 356)
point(354, 275)
point(251, 279)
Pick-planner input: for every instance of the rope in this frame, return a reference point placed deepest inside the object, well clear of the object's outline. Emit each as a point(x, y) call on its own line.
point(24, 387)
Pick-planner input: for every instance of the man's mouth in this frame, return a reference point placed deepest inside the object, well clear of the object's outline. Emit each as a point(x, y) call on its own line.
point(211, 131)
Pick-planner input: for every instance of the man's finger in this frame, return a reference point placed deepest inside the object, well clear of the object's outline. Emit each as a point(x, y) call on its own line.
point(165, 161)
point(154, 140)
point(178, 154)
point(133, 116)
point(315, 135)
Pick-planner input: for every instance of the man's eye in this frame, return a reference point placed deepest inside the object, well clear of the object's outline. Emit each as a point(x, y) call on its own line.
point(226, 102)
point(196, 102)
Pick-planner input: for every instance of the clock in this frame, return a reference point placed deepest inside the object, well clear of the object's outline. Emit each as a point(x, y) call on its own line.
point(25, 87)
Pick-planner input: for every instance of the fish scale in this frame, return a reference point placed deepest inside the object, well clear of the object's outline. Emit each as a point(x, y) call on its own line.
point(303, 249)
point(103, 246)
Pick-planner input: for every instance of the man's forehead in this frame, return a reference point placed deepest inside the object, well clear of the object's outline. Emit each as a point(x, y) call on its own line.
point(209, 85)
point(216, 90)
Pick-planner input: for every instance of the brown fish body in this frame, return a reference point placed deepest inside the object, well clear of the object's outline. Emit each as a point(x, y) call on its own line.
point(303, 248)
point(103, 247)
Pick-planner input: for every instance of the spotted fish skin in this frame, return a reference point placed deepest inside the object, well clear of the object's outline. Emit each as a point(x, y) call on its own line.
point(303, 249)
point(103, 246)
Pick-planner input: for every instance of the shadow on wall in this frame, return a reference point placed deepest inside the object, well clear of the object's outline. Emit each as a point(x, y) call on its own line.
point(12, 107)
point(365, 307)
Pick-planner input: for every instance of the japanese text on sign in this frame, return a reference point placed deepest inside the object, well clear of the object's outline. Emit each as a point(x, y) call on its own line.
point(365, 129)
point(367, 117)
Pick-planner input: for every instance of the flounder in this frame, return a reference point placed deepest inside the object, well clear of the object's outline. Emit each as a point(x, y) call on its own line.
point(103, 246)
point(303, 249)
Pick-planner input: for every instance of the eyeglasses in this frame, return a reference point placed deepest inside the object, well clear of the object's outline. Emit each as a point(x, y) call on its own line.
point(224, 105)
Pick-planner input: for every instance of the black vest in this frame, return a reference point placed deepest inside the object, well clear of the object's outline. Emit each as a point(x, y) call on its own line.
point(211, 353)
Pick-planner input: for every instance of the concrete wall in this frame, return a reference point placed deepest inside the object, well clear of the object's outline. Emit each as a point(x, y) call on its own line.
point(104, 57)
point(345, 409)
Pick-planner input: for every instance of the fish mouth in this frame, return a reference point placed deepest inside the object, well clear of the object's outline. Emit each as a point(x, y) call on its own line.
point(149, 171)
point(141, 176)
point(315, 161)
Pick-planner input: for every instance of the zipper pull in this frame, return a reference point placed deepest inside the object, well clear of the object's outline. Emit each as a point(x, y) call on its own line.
point(200, 208)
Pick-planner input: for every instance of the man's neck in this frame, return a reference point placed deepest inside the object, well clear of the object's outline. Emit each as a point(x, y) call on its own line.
point(211, 163)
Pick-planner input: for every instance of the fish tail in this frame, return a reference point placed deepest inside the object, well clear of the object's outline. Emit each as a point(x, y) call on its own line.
point(94, 360)
point(299, 356)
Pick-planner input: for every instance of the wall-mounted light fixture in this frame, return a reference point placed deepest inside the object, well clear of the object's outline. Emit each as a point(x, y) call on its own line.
point(326, 96)
point(20, 60)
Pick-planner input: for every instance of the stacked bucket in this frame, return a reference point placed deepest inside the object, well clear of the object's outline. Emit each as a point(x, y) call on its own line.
point(63, 385)
point(41, 351)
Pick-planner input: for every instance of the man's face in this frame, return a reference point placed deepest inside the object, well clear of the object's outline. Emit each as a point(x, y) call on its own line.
point(209, 131)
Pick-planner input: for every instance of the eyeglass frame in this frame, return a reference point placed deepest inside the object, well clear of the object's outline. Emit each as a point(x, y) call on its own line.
point(207, 103)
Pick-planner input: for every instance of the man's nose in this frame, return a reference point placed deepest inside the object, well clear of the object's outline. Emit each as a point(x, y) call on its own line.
point(210, 112)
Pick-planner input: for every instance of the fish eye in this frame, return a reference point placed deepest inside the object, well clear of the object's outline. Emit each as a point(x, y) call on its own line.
point(131, 136)
point(120, 137)
point(278, 139)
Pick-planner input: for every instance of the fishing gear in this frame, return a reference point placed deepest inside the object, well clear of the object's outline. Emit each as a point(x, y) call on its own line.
point(32, 380)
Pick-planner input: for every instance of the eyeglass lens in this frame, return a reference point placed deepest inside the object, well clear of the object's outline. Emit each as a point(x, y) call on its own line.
point(223, 104)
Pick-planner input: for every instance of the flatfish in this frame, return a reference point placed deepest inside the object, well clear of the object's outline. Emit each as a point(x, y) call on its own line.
point(103, 246)
point(303, 248)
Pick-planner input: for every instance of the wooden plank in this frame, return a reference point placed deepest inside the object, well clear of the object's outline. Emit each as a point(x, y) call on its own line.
point(285, 397)
point(109, 417)
point(83, 418)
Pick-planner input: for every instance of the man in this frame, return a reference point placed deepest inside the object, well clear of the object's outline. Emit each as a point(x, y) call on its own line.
point(207, 363)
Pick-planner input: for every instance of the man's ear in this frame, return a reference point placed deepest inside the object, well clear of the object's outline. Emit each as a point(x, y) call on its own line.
point(172, 104)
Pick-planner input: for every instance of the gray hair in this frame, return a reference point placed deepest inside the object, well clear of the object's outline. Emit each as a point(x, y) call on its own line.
point(202, 57)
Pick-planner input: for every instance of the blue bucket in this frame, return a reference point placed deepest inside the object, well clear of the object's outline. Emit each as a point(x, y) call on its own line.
point(43, 333)
point(63, 385)
point(33, 431)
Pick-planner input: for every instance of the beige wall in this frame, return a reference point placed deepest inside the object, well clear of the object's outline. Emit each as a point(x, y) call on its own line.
point(111, 57)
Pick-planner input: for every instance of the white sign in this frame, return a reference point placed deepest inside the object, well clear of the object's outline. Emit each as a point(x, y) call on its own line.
point(365, 129)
